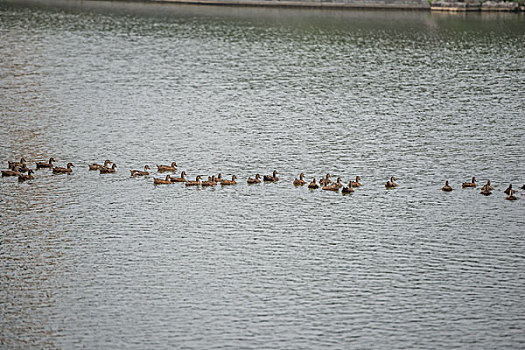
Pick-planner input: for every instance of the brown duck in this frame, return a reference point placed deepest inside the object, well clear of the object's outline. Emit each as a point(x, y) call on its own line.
point(447, 187)
point(229, 182)
point(197, 181)
point(356, 183)
point(14, 172)
point(271, 178)
point(43, 165)
point(162, 181)
point(106, 170)
point(333, 187)
point(300, 181)
point(469, 184)
point(23, 177)
point(172, 167)
point(140, 172)
point(487, 186)
point(313, 185)
point(95, 166)
point(256, 180)
point(182, 178)
point(325, 181)
point(390, 183)
point(60, 170)
point(210, 182)
point(509, 190)
point(13, 165)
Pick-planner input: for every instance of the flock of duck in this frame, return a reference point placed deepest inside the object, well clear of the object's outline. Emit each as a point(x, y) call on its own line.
point(23, 172)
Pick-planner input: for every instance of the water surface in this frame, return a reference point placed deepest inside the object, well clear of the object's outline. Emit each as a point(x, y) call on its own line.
point(98, 261)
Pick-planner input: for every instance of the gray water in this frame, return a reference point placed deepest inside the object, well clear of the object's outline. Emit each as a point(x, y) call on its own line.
point(109, 261)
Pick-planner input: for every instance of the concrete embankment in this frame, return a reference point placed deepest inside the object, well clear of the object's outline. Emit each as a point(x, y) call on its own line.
point(436, 5)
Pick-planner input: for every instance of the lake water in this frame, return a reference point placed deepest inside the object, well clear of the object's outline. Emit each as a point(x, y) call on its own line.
point(109, 261)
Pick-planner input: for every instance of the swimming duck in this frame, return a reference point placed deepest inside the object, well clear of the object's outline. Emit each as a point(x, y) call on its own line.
point(271, 178)
point(140, 172)
point(256, 180)
point(313, 185)
point(171, 167)
point(23, 177)
point(182, 177)
point(218, 178)
point(106, 170)
point(487, 186)
point(485, 191)
point(469, 184)
point(95, 166)
point(197, 181)
point(447, 187)
point(13, 165)
point(41, 165)
point(211, 182)
point(333, 187)
point(14, 172)
point(59, 170)
point(390, 183)
point(511, 196)
point(356, 183)
point(349, 189)
point(523, 187)
point(229, 182)
point(300, 181)
point(508, 190)
point(325, 181)
point(162, 181)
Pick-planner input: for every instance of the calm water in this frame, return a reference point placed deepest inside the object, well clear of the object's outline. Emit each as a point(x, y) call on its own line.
point(108, 261)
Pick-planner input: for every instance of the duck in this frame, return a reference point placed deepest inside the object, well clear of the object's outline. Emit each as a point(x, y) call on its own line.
point(12, 172)
point(390, 183)
point(349, 189)
point(210, 182)
point(106, 170)
point(60, 170)
point(300, 181)
point(43, 165)
point(229, 182)
point(485, 191)
point(325, 181)
point(271, 178)
point(95, 166)
point(356, 183)
point(469, 184)
point(162, 181)
point(13, 165)
point(182, 177)
point(488, 186)
point(447, 187)
point(509, 190)
point(23, 177)
point(511, 196)
point(256, 180)
point(333, 187)
point(218, 178)
point(140, 172)
point(523, 187)
point(197, 181)
point(171, 167)
point(313, 185)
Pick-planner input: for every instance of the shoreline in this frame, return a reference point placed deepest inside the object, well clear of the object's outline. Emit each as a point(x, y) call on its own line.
point(453, 7)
